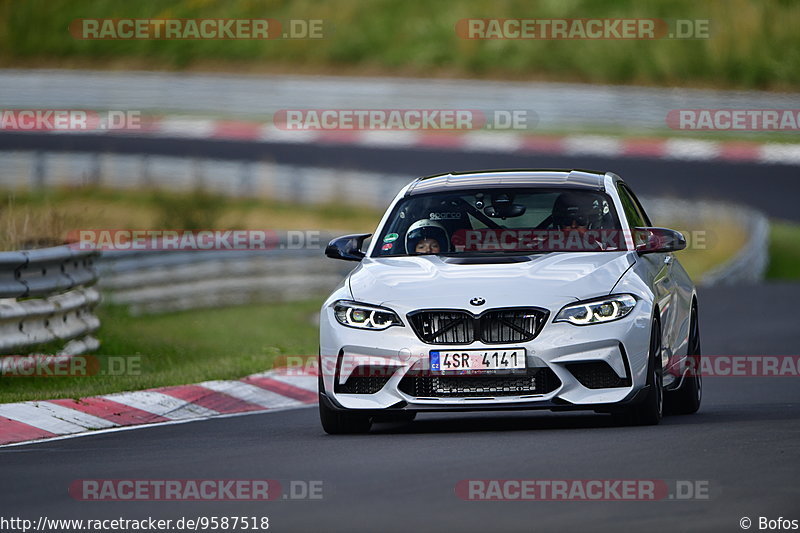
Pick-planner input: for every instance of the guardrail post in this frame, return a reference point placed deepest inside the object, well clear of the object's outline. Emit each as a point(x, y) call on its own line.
point(197, 173)
point(246, 179)
point(146, 177)
point(94, 171)
point(297, 182)
point(39, 173)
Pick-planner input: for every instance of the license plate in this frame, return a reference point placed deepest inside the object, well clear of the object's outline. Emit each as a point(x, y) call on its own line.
point(477, 361)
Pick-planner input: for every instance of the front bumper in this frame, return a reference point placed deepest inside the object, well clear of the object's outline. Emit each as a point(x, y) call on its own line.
point(633, 398)
point(622, 345)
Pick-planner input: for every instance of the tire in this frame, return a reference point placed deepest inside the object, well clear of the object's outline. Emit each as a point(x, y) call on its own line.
point(686, 400)
point(338, 422)
point(651, 410)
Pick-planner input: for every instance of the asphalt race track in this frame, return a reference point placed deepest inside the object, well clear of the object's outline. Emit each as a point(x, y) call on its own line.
point(774, 189)
point(745, 443)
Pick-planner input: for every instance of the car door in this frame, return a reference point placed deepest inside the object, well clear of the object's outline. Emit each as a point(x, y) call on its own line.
point(681, 296)
point(657, 269)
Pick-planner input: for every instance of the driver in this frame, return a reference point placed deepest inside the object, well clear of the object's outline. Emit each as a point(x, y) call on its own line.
point(426, 237)
point(577, 211)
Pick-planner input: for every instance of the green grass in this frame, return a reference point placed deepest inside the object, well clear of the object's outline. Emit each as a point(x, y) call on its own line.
point(753, 44)
point(784, 251)
point(180, 348)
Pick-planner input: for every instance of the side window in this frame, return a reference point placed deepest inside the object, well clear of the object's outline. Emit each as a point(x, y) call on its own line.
point(631, 208)
point(638, 206)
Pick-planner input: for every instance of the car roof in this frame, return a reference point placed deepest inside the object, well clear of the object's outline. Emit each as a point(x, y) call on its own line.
point(556, 178)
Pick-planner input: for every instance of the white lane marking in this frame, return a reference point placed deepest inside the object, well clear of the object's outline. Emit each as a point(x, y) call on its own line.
point(592, 144)
point(160, 404)
point(31, 414)
point(250, 393)
point(271, 133)
point(186, 127)
point(74, 416)
point(493, 141)
point(690, 149)
point(779, 153)
point(388, 138)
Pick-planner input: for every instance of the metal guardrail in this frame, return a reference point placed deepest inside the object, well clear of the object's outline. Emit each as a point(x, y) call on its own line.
point(558, 106)
point(155, 282)
point(263, 179)
point(46, 298)
point(44, 271)
point(750, 264)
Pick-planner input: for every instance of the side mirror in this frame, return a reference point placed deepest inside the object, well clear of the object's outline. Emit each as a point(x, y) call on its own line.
point(347, 247)
point(658, 240)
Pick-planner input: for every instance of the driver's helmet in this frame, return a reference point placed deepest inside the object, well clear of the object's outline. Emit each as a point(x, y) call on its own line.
point(584, 209)
point(426, 229)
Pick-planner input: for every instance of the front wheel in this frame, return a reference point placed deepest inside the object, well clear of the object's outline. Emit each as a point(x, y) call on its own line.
point(686, 400)
point(340, 423)
point(650, 411)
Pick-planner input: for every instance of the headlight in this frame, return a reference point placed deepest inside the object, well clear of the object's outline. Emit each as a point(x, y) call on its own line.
point(363, 316)
point(597, 311)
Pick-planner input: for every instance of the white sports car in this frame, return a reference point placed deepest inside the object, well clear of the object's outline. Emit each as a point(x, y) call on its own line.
point(499, 290)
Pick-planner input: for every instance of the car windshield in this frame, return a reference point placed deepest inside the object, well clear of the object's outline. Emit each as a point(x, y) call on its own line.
point(501, 221)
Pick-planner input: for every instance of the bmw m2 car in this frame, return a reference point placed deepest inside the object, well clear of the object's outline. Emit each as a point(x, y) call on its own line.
point(501, 290)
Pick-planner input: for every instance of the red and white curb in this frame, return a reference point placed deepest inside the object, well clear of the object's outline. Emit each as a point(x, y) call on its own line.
point(272, 390)
point(494, 141)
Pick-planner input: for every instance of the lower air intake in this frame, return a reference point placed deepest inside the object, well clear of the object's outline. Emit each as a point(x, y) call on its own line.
point(365, 380)
point(597, 375)
point(535, 381)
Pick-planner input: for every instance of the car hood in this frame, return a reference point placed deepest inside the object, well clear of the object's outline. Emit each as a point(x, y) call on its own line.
point(541, 280)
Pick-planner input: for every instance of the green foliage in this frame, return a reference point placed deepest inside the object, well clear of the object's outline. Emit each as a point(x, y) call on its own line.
point(753, 44)
point(784, 251)
point(197, 210)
